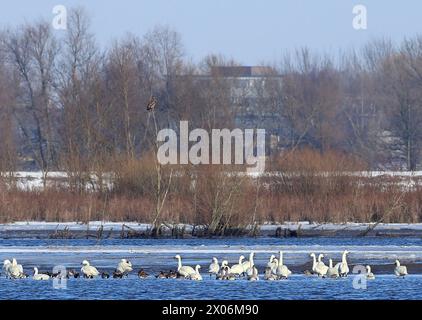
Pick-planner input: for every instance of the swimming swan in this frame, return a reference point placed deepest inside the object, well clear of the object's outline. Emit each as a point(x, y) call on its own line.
point(214, 267)
point(184, 271)
point(196, 276)
point(282, 271)
point(369, 274)
point(332, 272)
point(39, 276)
point(400, 271)
point(237, 269)
point(88, 270)
point(124, 266)
point(248, 264)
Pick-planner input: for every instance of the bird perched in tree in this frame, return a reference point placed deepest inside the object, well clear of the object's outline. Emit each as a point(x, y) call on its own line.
point(152, 103)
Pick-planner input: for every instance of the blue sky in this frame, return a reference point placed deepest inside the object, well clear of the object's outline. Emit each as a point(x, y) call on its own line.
point(250, 31)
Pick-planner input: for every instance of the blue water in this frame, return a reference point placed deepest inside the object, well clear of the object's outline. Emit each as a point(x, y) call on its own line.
point(297, 287)
point(158, 254)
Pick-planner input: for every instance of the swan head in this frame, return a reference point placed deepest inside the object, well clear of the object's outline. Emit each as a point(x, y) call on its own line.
point(275, 260)
point(241, 258)
point(125, 261)
point(197, 267)
point(224, 263)
point(346, 252)
point(35, 270)
point(272, 258)
point(320, 257)
point(85, 263)
point(6, 262)
point(397, 263)
point(312, 255)
point(368, 269)
point(177, 257)
point(214, 259)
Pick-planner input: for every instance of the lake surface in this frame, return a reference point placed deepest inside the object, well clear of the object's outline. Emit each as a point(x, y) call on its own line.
point(155, 255)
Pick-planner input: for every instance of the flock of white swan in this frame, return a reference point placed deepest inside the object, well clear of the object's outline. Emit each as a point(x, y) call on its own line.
point(274, 270)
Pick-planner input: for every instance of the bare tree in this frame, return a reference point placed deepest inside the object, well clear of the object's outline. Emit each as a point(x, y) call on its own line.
point(32, 51)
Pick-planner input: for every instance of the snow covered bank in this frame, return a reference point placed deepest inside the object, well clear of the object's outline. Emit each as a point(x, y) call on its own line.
point(26, 180)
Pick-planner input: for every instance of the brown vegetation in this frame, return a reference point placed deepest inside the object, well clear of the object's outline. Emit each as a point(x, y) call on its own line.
point(310, 187)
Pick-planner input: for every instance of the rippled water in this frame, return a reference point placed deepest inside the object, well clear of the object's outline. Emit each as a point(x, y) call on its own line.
point(156, 255)
point(297, 287)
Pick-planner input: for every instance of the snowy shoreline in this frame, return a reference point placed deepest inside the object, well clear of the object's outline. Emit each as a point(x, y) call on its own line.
point(34, 229)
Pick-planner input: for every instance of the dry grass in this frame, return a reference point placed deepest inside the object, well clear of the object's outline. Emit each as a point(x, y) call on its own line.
point(206, 195)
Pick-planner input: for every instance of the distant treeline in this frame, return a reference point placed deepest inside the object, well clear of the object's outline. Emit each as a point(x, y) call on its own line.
point(67, 104)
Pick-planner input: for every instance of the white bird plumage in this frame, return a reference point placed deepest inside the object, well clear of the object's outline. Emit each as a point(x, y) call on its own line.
point(214, 267)
point(184, 271)
point(282, 271)
point(248, 263)
point(13, 269)
point(399, 270)
point(237, 269)
point(39, 276)
point(271, 263)
point(124, 266)
point(332, 272)
point(319, 267)
point(343, 266)
point(250, 270)
point(369, 274)
point(196, 276)
point(88, 270)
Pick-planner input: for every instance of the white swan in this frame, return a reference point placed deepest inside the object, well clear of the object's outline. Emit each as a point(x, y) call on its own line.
point(237, 269)
point(214, 267)
point(271, 263)
point(274, 268)
point(39, 276)
point(399, 270)
point(15, 270)
point(252, 269)
point(320, 268)
point(6, 264)
point(282, 271)
point(196, 276)
point(248, 264)
point(332, 272)
point(343, 267)
point(369, 274)
point(124, 266)
point(88, 270)
point(184, 271)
